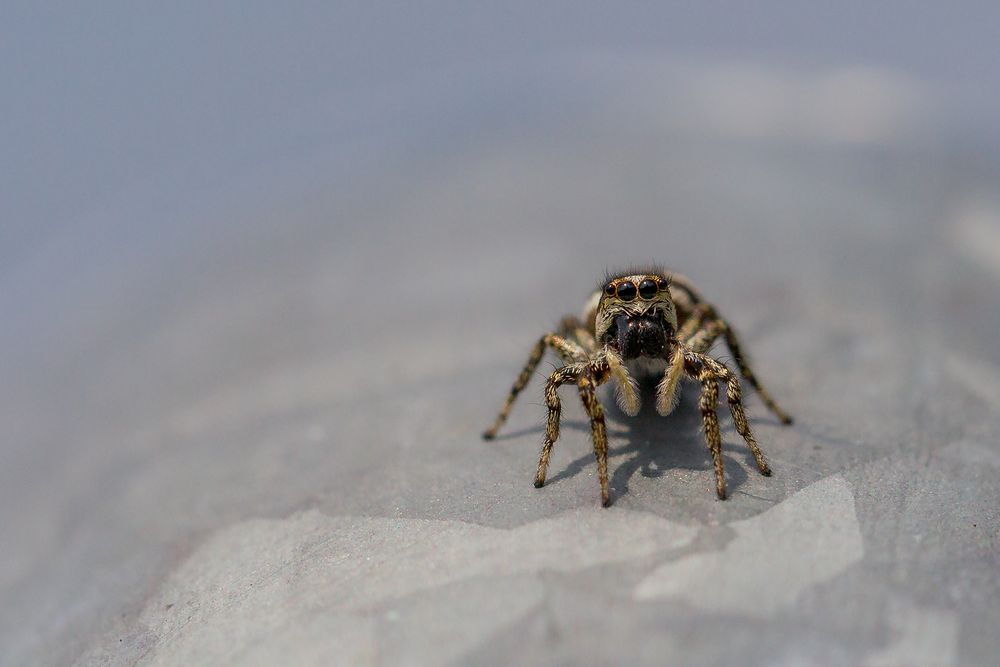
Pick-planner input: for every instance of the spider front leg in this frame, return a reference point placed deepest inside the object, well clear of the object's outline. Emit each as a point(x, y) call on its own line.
point(568, 350)
point(710, 417)
point(709, 372)
point(734, 396)
point(599, 434)
point(588, 377)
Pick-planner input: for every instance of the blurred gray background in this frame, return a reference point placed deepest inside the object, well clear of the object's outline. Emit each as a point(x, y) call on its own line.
point(266, 272)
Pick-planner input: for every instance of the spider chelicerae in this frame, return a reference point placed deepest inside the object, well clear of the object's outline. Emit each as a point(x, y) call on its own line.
point(643, 322)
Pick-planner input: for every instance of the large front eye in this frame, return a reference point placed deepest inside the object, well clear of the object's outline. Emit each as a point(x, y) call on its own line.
point(626, 290)
point(647, 289)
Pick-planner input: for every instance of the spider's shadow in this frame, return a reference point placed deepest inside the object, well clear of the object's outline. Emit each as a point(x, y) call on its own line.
point(656, 444)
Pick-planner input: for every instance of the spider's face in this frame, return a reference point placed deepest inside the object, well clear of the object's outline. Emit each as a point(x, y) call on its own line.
point(636, 316)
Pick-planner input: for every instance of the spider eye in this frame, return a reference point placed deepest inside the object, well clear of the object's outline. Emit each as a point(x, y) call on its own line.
point(662, 284)
point(647, 289)
point(609, 290)
point(626, 291)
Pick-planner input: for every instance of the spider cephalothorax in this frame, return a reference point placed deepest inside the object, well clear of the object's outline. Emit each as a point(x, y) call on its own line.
point(643, 322)
point(636, 316)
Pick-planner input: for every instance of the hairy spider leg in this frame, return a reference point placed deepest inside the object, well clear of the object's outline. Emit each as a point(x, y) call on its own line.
point(598, 433)
point(568, 350)
point(559, 377)
point(734, 396)
point(733, 343)
point(710, 418)
point(702, 329)
point(588, 377)
point(709, 372)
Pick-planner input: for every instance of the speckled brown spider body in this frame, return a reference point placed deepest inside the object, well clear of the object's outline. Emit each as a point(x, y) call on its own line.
point(643, 321)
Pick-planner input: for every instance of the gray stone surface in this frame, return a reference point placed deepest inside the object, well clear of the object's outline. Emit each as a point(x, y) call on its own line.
point(251, 436)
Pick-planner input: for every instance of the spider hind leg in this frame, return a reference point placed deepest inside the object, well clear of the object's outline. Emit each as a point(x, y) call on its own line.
point(703, 327)
point(567, 349)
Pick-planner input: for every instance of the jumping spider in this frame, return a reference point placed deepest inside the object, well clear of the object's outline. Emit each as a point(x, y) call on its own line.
point(643, 322)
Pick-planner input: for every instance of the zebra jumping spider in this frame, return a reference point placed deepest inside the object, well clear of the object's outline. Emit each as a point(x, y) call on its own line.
point(643, 322)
